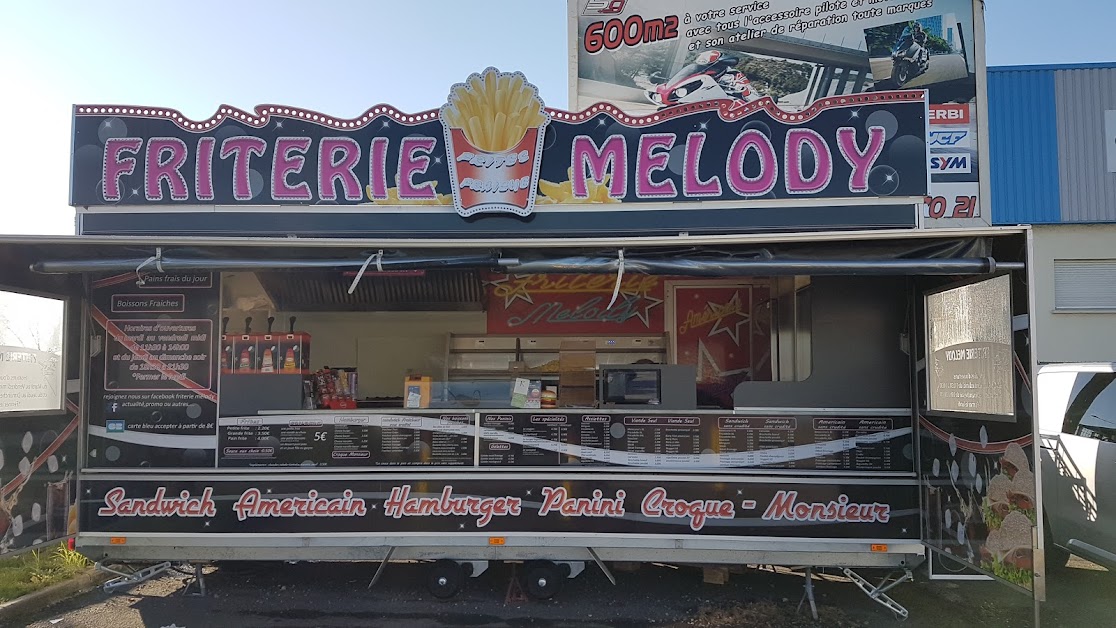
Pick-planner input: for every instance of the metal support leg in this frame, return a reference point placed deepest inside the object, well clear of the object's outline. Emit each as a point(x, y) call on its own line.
point(380, 569)
point(808, 594)
point(125, 580)
point(199, 579)
point(878, 593)
point(604, 568)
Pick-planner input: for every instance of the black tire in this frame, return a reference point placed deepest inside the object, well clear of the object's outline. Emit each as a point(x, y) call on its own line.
point(902, 73)
point(445, 579)
point(542, 580)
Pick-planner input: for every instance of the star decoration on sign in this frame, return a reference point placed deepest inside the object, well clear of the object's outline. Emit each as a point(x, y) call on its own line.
point(703, 126)
point(512, 288)
point(854, 114)
point(461, 526)
point(733, 312)
point(135, 191)
point(278, 124)
point(641, 307)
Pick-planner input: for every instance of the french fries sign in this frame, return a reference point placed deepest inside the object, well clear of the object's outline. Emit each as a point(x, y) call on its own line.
point(495, 148)
point(494, 126)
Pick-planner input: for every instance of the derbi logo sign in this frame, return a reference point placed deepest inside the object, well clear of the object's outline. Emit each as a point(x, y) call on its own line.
point(604, 7)
point(958, 163)
point(949, 114)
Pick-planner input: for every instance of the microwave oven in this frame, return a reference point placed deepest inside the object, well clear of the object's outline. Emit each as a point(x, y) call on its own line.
point(649, 386)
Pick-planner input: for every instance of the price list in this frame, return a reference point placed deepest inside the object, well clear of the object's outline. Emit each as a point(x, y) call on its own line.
point(756, 441)
point(496, 449)
point(845, 452)
point(595, 437)
point(352, 439)
point(401, 437)
point(451, 442)
point(662, 441)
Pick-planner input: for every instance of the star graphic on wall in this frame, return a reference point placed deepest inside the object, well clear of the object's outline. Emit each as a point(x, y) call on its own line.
point(512, 288)
point(707, 368)
point(731, 318)
point(640, 307)
point(278, 124)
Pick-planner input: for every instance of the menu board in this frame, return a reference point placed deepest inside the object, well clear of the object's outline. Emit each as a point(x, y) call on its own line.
point(862, 457)
point(745, 441)
point(696, 441)
point(346, 440)
point(567, 439)
point(155, 373)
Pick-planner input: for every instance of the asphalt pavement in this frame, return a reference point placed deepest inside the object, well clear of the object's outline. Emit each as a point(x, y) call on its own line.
point(338, 595)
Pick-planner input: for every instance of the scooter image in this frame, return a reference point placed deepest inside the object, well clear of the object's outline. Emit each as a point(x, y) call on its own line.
point(911, 62)
point(712, 76)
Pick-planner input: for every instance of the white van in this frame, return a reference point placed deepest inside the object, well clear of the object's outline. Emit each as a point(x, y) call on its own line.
point(1077, 421)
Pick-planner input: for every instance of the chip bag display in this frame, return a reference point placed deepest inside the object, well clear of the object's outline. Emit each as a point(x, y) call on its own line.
point(494, 125)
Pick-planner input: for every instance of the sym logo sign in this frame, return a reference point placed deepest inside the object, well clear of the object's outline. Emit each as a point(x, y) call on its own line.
point(604, 7)
point(950, 138)
point(951, 163)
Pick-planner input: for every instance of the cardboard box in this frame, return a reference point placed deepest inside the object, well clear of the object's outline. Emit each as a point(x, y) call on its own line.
point(577, 373)
point(416, 392)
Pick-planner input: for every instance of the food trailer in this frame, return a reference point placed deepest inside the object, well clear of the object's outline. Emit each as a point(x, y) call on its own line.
point(719, 333)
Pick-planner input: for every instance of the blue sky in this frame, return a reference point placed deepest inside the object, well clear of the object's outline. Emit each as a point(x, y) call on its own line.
point(333, 56)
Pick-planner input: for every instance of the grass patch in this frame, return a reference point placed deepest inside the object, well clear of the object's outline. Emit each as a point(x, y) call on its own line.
point(39, 569)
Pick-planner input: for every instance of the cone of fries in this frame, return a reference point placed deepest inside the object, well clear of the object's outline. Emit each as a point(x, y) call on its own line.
point(494, 125)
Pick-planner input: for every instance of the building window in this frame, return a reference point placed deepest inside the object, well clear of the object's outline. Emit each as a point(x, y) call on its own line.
point(30, 352)
point(1084, 285)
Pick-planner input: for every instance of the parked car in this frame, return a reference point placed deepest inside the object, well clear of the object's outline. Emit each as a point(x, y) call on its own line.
point(1077, 422)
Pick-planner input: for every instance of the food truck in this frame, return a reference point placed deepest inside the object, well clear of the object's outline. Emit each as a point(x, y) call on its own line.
point(718, 333)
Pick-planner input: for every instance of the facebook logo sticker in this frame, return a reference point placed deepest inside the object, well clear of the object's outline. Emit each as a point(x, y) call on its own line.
point(115, 426)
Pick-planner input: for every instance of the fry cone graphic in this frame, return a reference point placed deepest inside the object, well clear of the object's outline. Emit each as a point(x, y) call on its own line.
point(494, 125)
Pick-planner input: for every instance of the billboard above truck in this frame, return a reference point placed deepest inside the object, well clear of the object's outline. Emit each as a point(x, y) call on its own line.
point(646, 56)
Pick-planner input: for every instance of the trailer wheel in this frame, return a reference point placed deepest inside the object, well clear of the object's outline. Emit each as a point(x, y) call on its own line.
point(445, 579)
point(542, 580)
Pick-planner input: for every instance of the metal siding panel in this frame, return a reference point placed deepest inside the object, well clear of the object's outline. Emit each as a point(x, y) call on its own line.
point(1023, 149)
point(1088, 190)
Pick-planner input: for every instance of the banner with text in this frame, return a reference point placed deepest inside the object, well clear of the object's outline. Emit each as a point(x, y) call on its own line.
point(880, 510)
point(493, 148)
point(647, 56)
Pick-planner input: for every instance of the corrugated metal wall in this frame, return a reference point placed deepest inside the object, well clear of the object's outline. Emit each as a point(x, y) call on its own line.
point(1088, 190)
point(1023, 146)
point(1047, 144)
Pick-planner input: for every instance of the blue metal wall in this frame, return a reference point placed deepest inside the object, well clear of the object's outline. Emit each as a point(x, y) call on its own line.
point(1046, 133)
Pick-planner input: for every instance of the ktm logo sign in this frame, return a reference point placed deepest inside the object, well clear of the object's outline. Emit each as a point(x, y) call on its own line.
point(951, 164)
point(604, 7)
